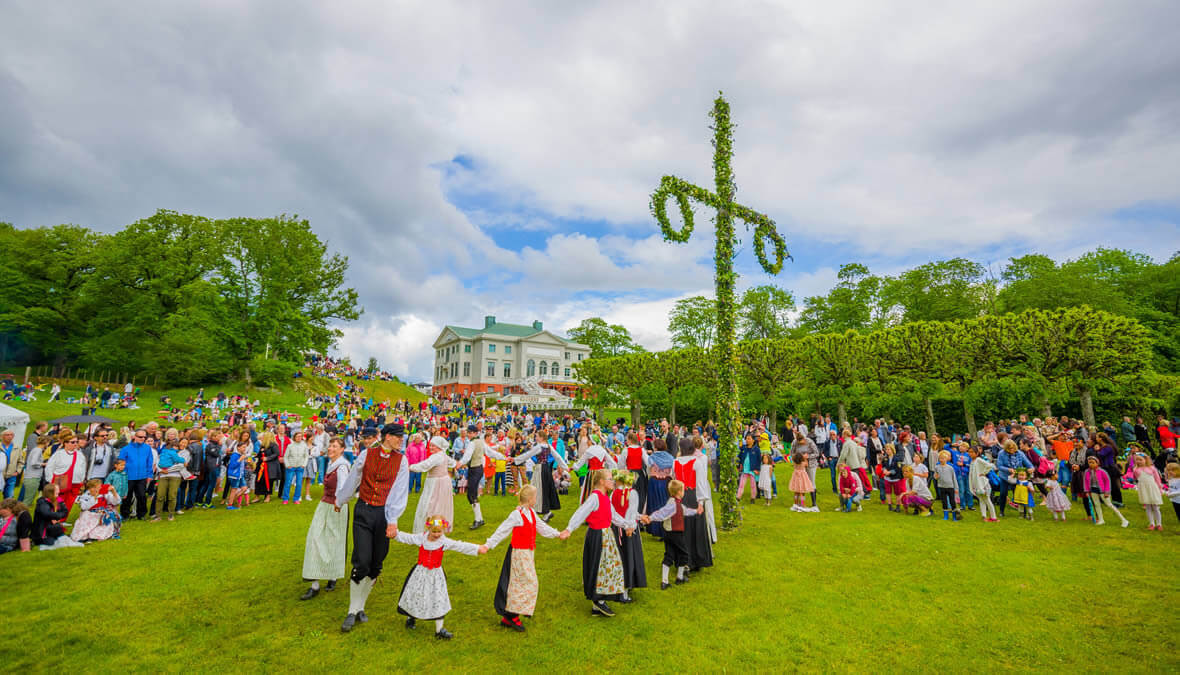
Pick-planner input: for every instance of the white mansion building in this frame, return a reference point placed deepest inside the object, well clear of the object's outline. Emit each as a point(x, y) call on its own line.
point(504, 358)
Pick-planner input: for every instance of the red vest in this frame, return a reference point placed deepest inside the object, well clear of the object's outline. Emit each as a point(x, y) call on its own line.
point(525, 536)
point(677, 524)
point(620, 499)
point(634, 459)
point(431, 560)
point(377, 476)
point(599, 518)
point(686, 472)
point(595, 464)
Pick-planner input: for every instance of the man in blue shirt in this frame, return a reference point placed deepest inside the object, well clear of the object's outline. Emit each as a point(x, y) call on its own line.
point(140, 466)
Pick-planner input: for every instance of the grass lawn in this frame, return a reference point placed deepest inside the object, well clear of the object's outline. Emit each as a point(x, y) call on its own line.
point(290, 398)
point(865, 592)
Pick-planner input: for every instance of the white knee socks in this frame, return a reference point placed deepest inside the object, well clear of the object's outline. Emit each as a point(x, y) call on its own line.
point(478, 512)
point(438, 623)
point(315, 585)
point(358, 593)
point(664, 573)
point(1153, 515)
point(682, 572)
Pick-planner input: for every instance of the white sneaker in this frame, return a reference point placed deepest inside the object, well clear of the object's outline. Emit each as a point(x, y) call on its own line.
point(1101, 522)
point(1126, 523)
point(858, 508)
point(795, 507)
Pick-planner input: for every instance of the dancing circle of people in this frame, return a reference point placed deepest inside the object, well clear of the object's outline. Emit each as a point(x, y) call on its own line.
point(611, 508)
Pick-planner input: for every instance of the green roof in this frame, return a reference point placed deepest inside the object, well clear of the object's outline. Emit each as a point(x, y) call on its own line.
point(505, 329)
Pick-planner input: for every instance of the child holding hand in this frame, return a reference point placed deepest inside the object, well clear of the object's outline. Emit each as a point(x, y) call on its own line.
point(673, 514)
point(424, 594)
point(1151, 489)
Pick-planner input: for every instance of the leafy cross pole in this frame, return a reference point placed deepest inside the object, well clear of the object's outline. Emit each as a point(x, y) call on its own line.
point(722, 201)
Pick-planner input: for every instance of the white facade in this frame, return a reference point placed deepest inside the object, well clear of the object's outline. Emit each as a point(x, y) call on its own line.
point(500, 356)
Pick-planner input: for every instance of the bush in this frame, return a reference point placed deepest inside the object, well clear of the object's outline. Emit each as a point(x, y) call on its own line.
point(270, 372)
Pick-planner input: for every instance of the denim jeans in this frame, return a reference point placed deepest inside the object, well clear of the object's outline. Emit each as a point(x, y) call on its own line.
point(10, 484)
point(832, 471)
point(322, 471)
point(1064, 474)
point(965, 495)
point(415, 481)
point(294, 477)
point(205, 490)
point(500, 486)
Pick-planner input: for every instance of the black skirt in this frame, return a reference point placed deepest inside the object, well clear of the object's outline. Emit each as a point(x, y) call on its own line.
point(591, 559)
point(500, 602)
point(696, 534)
point(631, 553)
point(547, 496)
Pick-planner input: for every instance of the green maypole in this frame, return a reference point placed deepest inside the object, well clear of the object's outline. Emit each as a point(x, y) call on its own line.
point(728, 404)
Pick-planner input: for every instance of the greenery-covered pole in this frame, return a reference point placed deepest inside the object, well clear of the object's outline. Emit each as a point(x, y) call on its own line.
point(729, 413)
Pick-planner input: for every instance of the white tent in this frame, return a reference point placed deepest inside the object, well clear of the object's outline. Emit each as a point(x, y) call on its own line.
point(16, 420)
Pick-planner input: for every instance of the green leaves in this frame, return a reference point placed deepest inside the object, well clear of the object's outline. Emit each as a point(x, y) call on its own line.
point(604, 339)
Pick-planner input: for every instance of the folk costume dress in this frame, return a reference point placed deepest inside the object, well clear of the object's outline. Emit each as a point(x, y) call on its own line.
point(636, 461)
point(437, 499)
point(323, 554)
point(424, 593)
point(626, 504)
point(67, 468)
point(596, 457)
point(602, 567)
point(696, 534)
point(542, 453)
point(100, 519)
point(705, 497)
point(517, 589)
point(660, 471)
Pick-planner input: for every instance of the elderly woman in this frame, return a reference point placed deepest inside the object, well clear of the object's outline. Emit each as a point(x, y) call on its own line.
point(437, 498)
point(323, 553)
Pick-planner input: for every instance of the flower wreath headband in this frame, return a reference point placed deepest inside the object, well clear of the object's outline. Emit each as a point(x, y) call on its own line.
point(437, 524)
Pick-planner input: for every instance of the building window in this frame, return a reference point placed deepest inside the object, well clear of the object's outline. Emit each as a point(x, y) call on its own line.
point(491, 349)
point(491, 388)
point(507, 349)
point(567, 356)
point(455, 369)
point(507, 369)
point(531, 368)
point(466, 369)
point(544, 368)
point(467, 349)
point(579, 357)
point(567, 372)
point(491, 368)
point(555, 369)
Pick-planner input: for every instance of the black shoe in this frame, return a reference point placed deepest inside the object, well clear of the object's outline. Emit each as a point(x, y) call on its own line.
point(349, 622)
point(477, 524)
point(663, 586)
point(362, 617)
point(444, 634)
point(602, 608)
point(681, 580)
point(309, 593)
point(511, 625)
point(626, 601)
point(331, 585)
point(411, 624)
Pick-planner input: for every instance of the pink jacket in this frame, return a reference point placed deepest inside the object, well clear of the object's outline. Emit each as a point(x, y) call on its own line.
point(1103, 480)
point(416, 453)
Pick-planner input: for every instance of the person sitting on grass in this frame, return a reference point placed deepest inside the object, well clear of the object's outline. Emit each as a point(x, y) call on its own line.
point(99, 520)
point(16, 526)
point(917, 496)
point(48, 518)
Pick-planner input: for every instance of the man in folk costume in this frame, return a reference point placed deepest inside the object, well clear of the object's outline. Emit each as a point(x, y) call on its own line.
point(67, 468)
point(517, 589)
point(381, 479)
point(635, 460)
point(596, 458)
point(602, 566)
point(547, 498)
point(473, 460)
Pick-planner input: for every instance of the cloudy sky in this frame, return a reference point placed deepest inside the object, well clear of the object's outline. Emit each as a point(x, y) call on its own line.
point(497, 158)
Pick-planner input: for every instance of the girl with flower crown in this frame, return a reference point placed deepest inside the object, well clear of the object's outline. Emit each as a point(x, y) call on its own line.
point(424, 594)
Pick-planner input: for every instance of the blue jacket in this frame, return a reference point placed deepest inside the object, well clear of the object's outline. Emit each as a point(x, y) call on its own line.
point(233, 468)
point(170, 457)
point(1008, 462)
point(138, 457)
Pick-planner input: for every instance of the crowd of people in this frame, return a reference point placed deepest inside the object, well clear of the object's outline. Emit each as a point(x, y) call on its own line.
point(621, 482)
